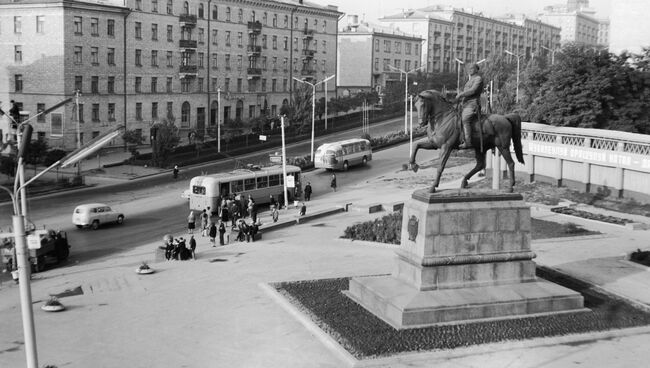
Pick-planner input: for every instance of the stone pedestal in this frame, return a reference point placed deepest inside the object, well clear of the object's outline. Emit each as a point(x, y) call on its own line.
point(464, 255)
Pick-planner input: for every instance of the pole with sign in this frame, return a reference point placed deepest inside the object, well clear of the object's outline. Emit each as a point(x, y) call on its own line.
point(284, 165)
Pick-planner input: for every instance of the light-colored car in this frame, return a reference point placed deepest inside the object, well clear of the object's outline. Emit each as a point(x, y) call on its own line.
point(94, 214)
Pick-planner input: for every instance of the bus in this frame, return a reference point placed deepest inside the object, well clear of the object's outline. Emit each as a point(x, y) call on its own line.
point(260, 183)
point(343, 154)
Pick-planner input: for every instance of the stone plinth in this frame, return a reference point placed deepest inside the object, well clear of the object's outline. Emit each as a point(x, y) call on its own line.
point(464, 255)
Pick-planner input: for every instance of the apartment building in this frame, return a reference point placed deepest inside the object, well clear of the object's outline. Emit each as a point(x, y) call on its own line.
point(577, 26)
point(135, 62)
point(454, 33)
point(370, 56)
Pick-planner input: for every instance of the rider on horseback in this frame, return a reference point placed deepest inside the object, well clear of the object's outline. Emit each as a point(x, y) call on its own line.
point(470, 97)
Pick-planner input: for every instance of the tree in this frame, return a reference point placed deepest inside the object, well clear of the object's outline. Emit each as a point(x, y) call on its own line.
point(166, 137)
point(134, 139)
point(36, 151)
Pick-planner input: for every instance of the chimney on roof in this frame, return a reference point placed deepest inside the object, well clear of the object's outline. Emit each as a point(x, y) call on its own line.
point(353, 22)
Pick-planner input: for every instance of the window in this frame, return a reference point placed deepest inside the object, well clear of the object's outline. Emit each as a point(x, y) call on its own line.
point(324, 47)
point(138, 111)
point(95, 113)
point(240, 39)
point(240, 16)
point(417, 49)
point(201, 35)
point(226, 85)
point(398, 64)
point(185, 85)
point(274, 180)
point(138, 4)
point(239, 62)
point(18, 54)
point(286, 43)
point(286, 21)
point(215, 85)
point(265, 19)
point(110, 87)
point(77, 54)
point(215, 61)
point(228, 38)
point(111, 112)
point(262, 182)
point(110, 56)
point(138, 30)
point(264, 46)
point(185, 114)
point(154, 32)
point(170, 7)
point(263, 85)
point(94, 84)
point(264, 62)
point(56, 125)
point(275, 20)
point(110, 28)
point(201, 11)
point(253, 19)
point(78, 26)
point(228, 14)
point(81, 112)
point(236, 186)
point(227, 61)
point(386, 64)
point(376, 63)
point(40, 24)
point(170, 110)
point(168, 85)
point(94, 55)
point(154, 110)
point(274, 84)
point(154, 6)
point(170, 59)
point(407, 48)
point(274, 42)
point(215, 12)
point(386, 46)
point(407, 64)
point(138, 57)
point(398, 47)
point(285, 85)
point(199, 86)
point(376, 45)
point(154, 85)
point(274, 63)
point(40, 107)
point(138, 84)
point(200, 60)
point(94, 27)
point(249, 184)
point(154, 58)
point(215, 35)
point(239, 85)
point(170, 33)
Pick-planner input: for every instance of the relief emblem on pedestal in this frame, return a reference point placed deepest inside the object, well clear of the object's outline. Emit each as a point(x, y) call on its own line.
point(412, 228)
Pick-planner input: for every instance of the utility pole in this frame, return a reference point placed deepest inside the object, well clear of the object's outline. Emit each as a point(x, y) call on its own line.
point(77, 93)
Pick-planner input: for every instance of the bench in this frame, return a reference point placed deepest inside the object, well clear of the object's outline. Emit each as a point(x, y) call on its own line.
point(375, 207)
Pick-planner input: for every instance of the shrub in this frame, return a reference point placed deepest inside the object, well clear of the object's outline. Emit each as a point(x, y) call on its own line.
point(387, 229)
point(53, 156)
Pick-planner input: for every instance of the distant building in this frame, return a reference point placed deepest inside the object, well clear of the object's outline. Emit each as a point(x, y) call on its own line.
point(603, 32)
point(136, 62)
point(629, 27)
point(366, 52)
point(453, 33)
point(577, 21)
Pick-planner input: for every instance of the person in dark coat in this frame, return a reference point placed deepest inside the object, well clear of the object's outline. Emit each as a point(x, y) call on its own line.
point(303, 209)
point(193, 246)
point(213, 233)
point(175, 172)
point(333, 182)
point(222, 230)
point(225, 214)
point(308, 191)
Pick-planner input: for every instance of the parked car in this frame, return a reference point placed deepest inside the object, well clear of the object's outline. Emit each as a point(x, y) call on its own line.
point(94, 214)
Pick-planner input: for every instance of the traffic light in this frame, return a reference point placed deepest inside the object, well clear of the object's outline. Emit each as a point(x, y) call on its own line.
point(25, 139)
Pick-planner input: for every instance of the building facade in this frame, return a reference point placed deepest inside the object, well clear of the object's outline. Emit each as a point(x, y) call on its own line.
point(371, 56)
point(577, 26)
point(453, 33)
point(135, 63)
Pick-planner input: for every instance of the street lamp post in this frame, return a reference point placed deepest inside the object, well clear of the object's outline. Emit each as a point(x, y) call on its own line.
point(406, 91)
point(284, 166)
point(313, 107)
point(219, 119)
point(326, 100)
point(518, 58)
point(459, 62)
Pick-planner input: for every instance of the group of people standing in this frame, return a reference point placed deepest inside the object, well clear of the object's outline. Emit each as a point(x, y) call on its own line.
point(178, 249)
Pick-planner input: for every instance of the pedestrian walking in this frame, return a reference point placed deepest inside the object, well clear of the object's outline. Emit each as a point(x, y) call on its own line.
point(193, 246)
point(274, 214)
point(272, 201)
point(213, 233)
point(333, 182)
point(308, 191)
point(191, 221)
point(222, 231)
point(204, 223)
point(175, 171)
point(303, 209)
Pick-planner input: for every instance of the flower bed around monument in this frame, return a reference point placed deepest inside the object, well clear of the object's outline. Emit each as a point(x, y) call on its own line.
point(591, 216)
point(366, 336)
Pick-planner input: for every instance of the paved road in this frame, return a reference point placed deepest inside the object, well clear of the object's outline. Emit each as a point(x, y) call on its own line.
point(153, 205)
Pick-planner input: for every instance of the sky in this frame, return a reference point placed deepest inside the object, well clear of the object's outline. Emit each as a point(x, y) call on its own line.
point(374, 9)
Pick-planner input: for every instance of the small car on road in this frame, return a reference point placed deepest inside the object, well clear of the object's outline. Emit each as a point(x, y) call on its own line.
point(94, 214)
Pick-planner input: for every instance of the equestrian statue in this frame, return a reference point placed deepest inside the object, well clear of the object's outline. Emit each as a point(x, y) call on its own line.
point(449, 127)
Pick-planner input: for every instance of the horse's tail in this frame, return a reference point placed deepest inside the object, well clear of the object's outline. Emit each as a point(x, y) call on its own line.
point(515, 121)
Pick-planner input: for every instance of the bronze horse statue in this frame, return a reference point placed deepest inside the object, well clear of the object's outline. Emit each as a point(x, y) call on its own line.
point(442, 118)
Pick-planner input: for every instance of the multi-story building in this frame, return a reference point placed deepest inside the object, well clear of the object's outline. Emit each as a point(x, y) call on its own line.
point(577, 26)
point(603, 32)
point(135, 62)
point(371, 56)
point(453, 34)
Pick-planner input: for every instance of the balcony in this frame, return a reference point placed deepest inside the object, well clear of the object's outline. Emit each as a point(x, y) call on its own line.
point(254, 73)
point(187, 44)
point(254, 27)
point(307, 72)
point(309, 33)
point(188, 71)
point(254, 50)
point(187, 20)
point(308, 53)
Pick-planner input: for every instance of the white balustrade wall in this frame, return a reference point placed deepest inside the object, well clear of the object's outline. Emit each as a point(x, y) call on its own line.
point(587, 159)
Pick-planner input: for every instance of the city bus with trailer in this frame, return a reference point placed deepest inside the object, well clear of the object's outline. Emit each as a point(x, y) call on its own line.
point(343, 154)
point(260, 183)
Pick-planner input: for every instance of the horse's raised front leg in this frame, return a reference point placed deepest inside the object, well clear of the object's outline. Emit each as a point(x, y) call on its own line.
point(480, 165)
point(505, 152)
point(446, 152)
point(424, 145)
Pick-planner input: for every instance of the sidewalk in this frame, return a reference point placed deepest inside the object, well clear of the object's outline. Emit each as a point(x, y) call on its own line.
point(215, 312)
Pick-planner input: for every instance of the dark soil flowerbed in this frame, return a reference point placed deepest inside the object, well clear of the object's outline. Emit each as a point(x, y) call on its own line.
point(641, 257)
point(366, 336)
point(591, 216)
point(542, 229)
